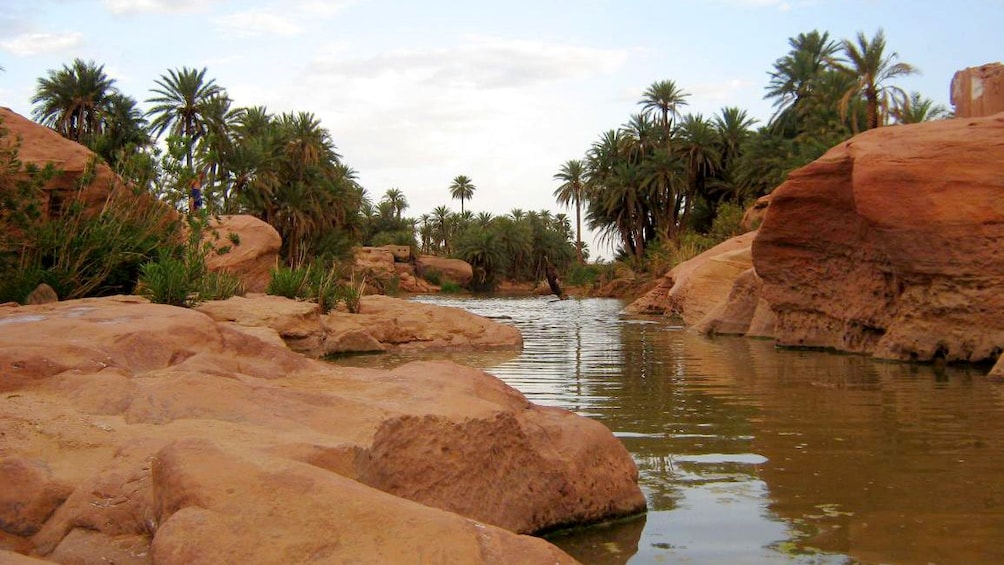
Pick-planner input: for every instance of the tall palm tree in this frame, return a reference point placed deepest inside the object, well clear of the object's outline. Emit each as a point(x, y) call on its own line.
point(868, 63)
point(397, 201)
point(442, 219)
point(181, 105)
point(793, 80)
point(700, 153)
point(572, 191)
point(462, 188)
point(74, 100)
point(665, 98)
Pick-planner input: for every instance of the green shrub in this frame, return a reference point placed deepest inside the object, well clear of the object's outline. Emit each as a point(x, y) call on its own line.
point(289, 283)
point(433, 276)
point(167, 281)
point(323, 285)
point(235, 238)
point(352, 293)
point(449, 287)
point(220, 286)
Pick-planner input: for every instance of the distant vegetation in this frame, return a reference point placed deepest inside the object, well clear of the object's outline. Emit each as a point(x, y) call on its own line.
point(662, 186)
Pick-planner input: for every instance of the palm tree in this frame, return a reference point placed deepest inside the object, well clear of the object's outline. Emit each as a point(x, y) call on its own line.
point(699, 148)
point(397, 201)
point(919, 109)
point(665, 98)
point(462, 188)
point(572, 191)
point(873, 69)
point(441, 219)
point(181, 106)
point(793, 80)
point(74, 100)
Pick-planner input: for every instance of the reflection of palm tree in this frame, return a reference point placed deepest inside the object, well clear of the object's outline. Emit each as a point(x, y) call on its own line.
point(872, 69)
point(462, 188)
point(181, 106)
point(74, 100)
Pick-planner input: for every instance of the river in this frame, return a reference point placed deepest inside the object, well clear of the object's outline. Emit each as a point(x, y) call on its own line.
point(752, 454)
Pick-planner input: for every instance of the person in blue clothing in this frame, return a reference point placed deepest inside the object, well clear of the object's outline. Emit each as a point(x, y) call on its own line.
point(195, 196)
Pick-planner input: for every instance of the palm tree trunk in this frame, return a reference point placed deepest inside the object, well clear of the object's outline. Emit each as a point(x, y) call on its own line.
point(578, 229)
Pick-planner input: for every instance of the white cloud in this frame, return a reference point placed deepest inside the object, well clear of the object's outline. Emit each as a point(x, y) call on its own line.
point(483, 63)
point(322, 8)
point(257, 22)
point(124, 7)
point(35, 43)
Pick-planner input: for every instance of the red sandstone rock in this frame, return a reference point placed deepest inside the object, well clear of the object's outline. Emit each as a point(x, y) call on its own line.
point(697, 286)
point(454, 270)
point(186, 441)
point(754, 215)
point(375, 262)
point(252, 258)
point(743, 312)
point(41, 145)
point(978, 91)
point(890, 244)
point(383, 324)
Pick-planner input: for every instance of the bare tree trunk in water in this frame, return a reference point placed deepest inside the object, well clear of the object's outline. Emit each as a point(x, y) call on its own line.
point(552, 279)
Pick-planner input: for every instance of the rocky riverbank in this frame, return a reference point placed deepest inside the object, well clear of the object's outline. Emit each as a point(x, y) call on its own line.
point(143, 433)
point(888, 245)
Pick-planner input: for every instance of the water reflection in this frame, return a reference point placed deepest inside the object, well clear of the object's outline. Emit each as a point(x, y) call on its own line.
point(749, 454)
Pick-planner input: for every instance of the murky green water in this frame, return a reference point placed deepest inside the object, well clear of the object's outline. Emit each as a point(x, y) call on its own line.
point(750, 454)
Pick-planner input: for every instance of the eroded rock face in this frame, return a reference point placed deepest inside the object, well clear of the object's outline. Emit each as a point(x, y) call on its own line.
point(890, 244)
point(252, 249)
point(978, 91)
point(164, 436)
point(695, 287)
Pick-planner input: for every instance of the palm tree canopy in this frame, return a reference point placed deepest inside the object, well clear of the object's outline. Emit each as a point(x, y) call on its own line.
point(873, 70)
point(180, 104)
point(462, 188)
point(665, 98)
point(75, 99)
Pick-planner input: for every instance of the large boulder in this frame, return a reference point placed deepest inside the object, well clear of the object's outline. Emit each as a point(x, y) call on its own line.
point(83, 178)
point(454, 270)
point(695, 287)
point(382, 324)
point(978, 91)
point(375, 262)
point(147, 433)
point(890, 243)
point(249, 249)
point(40, 145)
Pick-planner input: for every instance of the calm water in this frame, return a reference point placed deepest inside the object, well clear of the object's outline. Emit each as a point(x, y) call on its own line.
point(750, 454)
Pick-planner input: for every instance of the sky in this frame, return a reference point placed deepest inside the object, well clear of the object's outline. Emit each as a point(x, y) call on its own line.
point(415, 93)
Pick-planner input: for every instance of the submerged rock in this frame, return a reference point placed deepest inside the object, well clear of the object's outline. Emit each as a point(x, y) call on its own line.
point(164, 436)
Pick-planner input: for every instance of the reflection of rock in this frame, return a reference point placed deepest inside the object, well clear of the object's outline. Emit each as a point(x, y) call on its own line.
point(252, 249)
point(383, 324)
point(612, 543)
point(182, 439)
